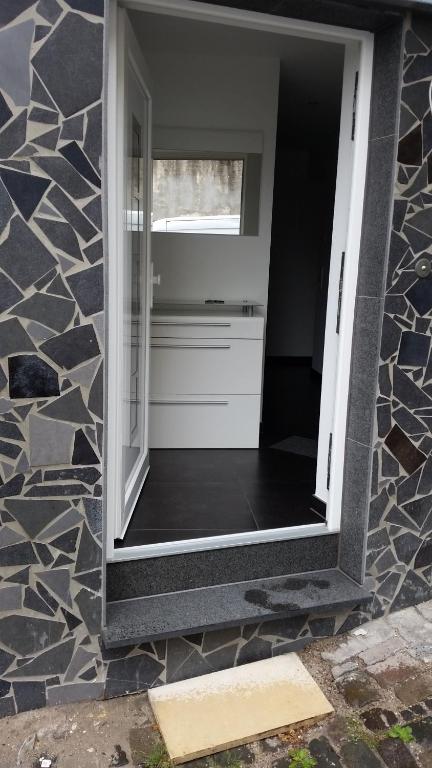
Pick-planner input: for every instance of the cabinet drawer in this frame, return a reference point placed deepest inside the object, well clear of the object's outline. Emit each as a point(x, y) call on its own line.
point(203, 422)
point(193, 327)
point(212, 366)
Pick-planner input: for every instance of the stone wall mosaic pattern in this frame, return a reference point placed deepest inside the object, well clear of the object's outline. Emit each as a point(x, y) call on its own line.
point(51, 341)
point(399, 559)
point(51, 348)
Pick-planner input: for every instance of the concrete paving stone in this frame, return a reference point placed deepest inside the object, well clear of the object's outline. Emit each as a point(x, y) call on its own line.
point(422, 651)
point(324, 753)
point(393, 670)
point(345, 651)
point(396, 754)
point(425, 609)
point(410, 624)
point(378, 719)
point(414, 689)
point(342, 669)
point(383, 650)
point(142, 741)
point(359, 755)
point(358, 690)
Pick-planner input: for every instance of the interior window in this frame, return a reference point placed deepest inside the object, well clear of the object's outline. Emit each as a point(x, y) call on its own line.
point(197, 195)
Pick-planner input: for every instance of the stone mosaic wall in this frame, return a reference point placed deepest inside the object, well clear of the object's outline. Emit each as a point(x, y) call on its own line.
point(51, 340)
point(399, 559)
point(51, 344)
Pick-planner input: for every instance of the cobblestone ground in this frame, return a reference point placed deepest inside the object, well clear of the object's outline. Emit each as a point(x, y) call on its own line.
point(378, 677)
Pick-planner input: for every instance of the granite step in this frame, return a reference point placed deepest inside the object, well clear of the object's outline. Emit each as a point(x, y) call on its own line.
point(191, 570)
point(228, 605)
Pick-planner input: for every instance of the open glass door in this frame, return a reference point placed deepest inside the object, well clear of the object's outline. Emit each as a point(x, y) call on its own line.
point(133, 272)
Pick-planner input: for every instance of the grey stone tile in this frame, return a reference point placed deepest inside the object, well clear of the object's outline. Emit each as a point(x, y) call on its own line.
point(68, 407)
point(43, 116)
point(93, 252)
point(6, 208)
point(93, 136)
point(90, 606)
point(73, 34)
point(81, 658)
point(73, 347)
point(84, 375)
point(74, 154)
point(65, 175)
point(25, 189)
point(388, 47)
point(9, 536)
point(15, 45)
point(73, 128)
point(49, 10)
point(87, 286)
point(71, 518)
point(54, 661)
point(39, 332)
point(50, 442)
point(75, 692)
point(11, 598)
point(14, 255)
point(364, 369)
point(355, 503)
point(94, 211)
point(27, 635)
point(13, 338)
point(89, 553)
point(48, 140)
point(14, 135)
point(9, 293)
point(33, 515)
point(95, 402)
point(376, 217)
point(61, 236)
point(71, 213)
point(58, 581)
point(29, 695)
point(54, 311)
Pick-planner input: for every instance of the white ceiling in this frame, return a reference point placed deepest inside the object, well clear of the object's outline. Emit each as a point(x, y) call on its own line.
point(311, 70)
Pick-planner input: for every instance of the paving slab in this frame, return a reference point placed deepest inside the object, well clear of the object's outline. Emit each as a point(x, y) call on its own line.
point(211, 713)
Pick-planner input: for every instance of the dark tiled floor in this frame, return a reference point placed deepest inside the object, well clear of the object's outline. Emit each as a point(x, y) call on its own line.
point(198, 493)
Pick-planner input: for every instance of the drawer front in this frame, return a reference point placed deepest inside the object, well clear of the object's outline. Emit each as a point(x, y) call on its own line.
point(207, 327)
point(195, 366)
point(203, 422)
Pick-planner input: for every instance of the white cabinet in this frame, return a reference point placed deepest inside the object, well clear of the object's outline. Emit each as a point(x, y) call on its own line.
point(205, 381)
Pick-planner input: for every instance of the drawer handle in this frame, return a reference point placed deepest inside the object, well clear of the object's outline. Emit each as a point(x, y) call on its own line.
point(189, 402)
point(192, 325)
point(191, 346)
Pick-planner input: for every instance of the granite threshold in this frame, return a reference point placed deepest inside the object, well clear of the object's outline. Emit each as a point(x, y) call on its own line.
point(174, 614)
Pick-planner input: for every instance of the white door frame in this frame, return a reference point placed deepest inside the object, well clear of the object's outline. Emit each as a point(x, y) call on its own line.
point(298, 28)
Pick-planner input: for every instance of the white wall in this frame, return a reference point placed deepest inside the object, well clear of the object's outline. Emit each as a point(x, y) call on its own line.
point(202, 91)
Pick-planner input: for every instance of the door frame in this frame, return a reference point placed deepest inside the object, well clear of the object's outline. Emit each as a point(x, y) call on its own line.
point(291, 27)
point(115, 192)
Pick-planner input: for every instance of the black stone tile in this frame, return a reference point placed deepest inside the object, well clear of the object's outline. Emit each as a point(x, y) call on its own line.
point(93, 513)
point(355, 503)
point(44, 554)
point(92, 580)
point(132, 674)
point(88, 288)
point(418, 510)
point(6, 208)
point(83, 453)
point(413, 590)
point(406, 546)
point(25, 189)
point(72, 621)
point(61, 236)
point(71, 213)
point(410, 148)
point(34, 602)
point(90, 606)
point(40, 491)
point(29, 695)
point(383, 419)
point(197, 506)
point(47, 140)
point(58, 288)
point(137, 537)
point(404, 450)
point(30, 376)
point(13, 136)
point(388, 45)
point(41, 31)
point(391, 334)
point(12, 487)
point(74, 154)
point(66, 541)
point(75, 46)
point(14, 255)
point(93, 211)
point(277, 505)
point(72, 347)
point(364, 369)
point(11, 450)
point(49, 10)
point(407, 392)
point(419, 241)
point(95, 401)
point(420, 296)
point(96, 7)
point(20, 577)
point(5, 112)
point(94, 252)
point(47, 597)
point(416, 97)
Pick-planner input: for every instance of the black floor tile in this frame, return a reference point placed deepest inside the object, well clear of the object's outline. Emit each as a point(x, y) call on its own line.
point(136, 538)
point(186, 506)
point(272, 465)
point(190, 466)
point(274, 505)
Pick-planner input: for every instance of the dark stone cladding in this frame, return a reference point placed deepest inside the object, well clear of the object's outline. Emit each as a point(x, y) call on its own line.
point(51, 463)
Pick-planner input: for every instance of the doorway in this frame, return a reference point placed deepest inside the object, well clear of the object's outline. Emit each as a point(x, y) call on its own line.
point(244, 466)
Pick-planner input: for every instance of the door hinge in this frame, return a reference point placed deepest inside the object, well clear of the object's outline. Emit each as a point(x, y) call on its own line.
point(340, 291)
point(354, 109)
point(329, 459)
